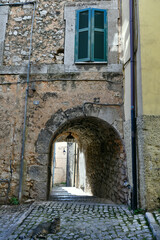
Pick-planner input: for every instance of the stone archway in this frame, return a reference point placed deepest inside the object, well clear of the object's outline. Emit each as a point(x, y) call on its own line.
point(101, 144)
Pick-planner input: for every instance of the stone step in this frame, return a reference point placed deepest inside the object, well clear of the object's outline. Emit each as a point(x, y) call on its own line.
point(68, 191)
point(81, 199)
point(72, 194)
point(71, 198)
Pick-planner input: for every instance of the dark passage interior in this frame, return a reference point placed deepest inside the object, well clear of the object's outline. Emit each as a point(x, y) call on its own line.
point(101, 169)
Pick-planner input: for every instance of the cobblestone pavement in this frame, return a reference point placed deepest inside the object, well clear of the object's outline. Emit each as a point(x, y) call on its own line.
point(10, 216)
point(78, 221)
point(156, 214)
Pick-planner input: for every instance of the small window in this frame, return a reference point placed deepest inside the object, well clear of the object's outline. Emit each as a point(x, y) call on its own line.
point(91, 35)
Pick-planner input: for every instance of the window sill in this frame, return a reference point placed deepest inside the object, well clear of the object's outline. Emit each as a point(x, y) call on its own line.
point(93, 63)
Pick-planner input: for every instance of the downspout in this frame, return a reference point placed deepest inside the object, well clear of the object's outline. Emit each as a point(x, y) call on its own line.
point(133, 116)
point(25, 110)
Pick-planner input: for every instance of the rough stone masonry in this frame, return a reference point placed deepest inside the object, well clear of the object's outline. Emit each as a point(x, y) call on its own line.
point(63, 97)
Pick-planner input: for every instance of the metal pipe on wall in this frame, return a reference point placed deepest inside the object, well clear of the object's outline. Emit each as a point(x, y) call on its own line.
point(25, 111)
point(133, 112)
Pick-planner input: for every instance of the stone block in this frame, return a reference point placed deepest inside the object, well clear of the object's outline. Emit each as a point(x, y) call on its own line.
point(39, 191)
point(43, 159)
point(55, 121)
point(74, 113)
point(38, 173)
point(43, 142)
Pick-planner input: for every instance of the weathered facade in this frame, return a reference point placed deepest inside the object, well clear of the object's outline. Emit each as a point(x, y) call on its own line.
point(146, 90)
point(85, 99)
point(45, 95)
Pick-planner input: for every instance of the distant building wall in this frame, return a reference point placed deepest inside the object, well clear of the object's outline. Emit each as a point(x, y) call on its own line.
point(60, 162)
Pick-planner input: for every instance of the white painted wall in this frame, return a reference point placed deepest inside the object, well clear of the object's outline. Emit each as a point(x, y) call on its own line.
point(82, 171)
point(60, 162)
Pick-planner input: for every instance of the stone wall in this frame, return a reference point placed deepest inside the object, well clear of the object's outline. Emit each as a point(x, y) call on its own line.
point(55, 91)
point(49, 30)
point(48, 34)
point(11, 120)
point(128, 147)
point(48, 97)
point(149, 164)
point(102, 147)
point(106, 167)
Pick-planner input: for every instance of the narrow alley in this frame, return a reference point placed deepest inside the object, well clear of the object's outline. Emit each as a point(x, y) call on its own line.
point(78, 220)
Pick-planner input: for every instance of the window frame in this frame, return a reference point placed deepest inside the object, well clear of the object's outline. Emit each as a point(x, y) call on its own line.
point(91, 31)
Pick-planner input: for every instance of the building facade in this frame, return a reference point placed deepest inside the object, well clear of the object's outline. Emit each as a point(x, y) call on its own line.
point(146, 91)
point(65, 70)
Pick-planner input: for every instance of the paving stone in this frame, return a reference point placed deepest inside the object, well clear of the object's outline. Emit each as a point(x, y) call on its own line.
point(157, 216)
point(81, 220)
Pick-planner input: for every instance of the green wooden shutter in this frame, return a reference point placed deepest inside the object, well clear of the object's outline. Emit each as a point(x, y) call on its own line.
point(99, 35)
point(83, 35)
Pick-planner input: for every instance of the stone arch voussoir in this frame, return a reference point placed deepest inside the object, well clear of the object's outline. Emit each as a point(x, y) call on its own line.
point(60, 119)
point(111, 115)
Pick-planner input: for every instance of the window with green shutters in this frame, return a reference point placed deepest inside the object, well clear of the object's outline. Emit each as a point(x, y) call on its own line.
point(91, 35)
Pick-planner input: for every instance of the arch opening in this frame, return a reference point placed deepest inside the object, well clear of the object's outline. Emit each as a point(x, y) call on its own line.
point(99, 167)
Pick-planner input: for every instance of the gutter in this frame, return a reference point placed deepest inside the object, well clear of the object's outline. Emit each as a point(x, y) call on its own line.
point(133, 115)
